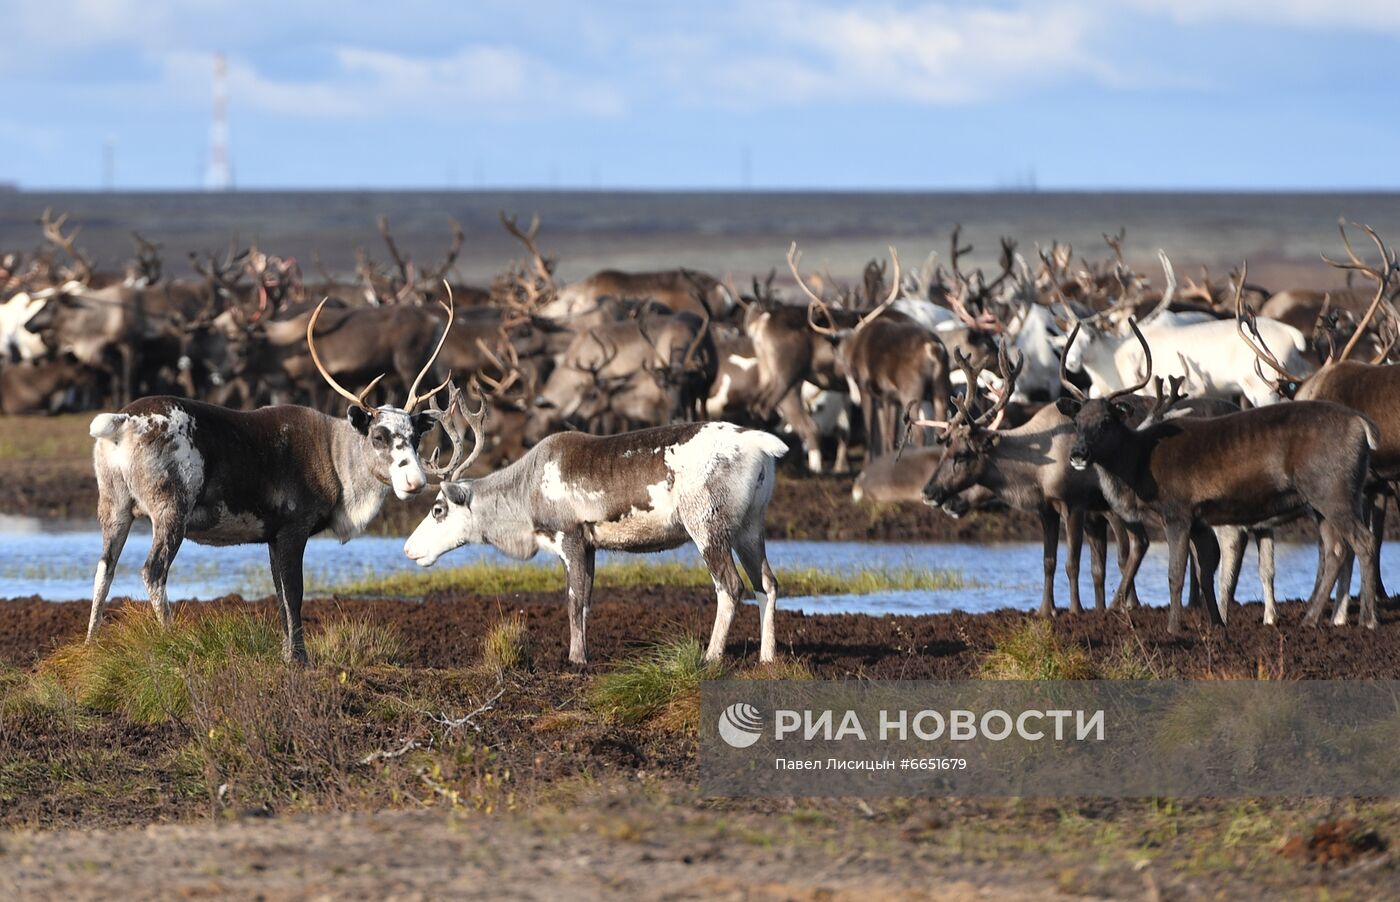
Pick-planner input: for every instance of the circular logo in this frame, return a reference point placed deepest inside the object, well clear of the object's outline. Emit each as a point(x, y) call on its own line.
point(740, 725)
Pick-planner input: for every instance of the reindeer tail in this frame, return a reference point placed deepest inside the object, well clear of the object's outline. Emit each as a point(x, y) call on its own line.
point(107, 425)
point(766, 442)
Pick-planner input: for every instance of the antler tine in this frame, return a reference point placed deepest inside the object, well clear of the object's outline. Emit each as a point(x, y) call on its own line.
point(794, 257)
point(700, 335)
point(357, 400)
point(1254, 339)
point(1069, 386)
point(889, 299)
point(997, 412)
point(1147, 354)
point(414, 399)
point(1115, 243)
point(1165, 400)
point(1383, 278)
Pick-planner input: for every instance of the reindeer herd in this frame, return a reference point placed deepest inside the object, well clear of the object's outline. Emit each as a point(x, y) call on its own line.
point(634, 411)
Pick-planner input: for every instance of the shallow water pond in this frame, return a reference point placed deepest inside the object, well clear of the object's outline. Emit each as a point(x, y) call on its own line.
point(55, 561)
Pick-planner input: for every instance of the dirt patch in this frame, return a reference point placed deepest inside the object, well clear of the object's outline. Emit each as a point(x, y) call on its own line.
point(445, 630)
point(1334, 844)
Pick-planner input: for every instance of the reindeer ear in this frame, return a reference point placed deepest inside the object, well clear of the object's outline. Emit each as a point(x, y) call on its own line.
point(1068, 406)
point(422, 423)
point(457, 493)
point(359, 418)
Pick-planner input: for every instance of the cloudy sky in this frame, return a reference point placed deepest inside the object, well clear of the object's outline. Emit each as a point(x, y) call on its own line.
point(721, 94)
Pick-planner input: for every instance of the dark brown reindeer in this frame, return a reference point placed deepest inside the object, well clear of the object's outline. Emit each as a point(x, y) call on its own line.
point(890, 362)
point(1240, 469)
point(1369, 388)
point(277, 475)
point(572, 494)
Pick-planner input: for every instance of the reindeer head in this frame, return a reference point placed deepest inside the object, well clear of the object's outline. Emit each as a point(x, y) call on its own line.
point(393, 432)
point(452, 522)
point(969, 438)
point(1101, 425)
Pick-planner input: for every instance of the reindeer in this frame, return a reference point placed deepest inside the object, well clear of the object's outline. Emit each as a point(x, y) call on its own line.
point(1026, 468)
point(645, 368)
point(1206, 354)
point(277, 475)
point(890, 362)
point(679, 290)
point(706, 483)
point(1371, 389)
point(1266, 464)
point(735, 393)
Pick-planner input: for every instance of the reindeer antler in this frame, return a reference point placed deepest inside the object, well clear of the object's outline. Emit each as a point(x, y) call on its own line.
point(358, 400)
point(414, 399)
point(455, 421)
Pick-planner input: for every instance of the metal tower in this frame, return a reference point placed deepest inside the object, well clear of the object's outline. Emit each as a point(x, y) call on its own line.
point(219, 176)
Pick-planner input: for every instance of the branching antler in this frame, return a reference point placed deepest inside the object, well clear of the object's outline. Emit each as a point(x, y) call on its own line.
point(1356, 264)
point(455, 422)
point(53, 233)
point(1247, 319)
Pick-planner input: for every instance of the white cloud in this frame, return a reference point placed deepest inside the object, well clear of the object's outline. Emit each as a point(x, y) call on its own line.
point(928, 53)
point(484, 81)
point(1342, 15)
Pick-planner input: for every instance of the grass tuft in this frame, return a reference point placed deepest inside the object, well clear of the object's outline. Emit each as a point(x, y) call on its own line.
point(781, 669)
point(1032, 651)
point(661, 685)
point(139, 669)
point(488, 578)
point(506, 645)
point(350, 643)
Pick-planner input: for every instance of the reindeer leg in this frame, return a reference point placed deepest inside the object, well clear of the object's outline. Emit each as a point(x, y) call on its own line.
point(1329, 566)
point(167, 534)
point(754, 557)
point(719, 559)
point(115, 515)
point(1357, 536)
point(1206, 553)
point(1074, 545)
point(843, 440)
point(283, 618)
point(578, 557)
point(1128, 566)
point(797, 416)
point(1050, 546)
point(1378, 506)
point(1097, 533)
point(1232, 541)
point(1265, 541)
point(288, 549)
point(1178, 554)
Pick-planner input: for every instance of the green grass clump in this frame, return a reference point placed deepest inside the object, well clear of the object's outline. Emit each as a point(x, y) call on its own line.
point(1032, 651)
point(140, 669)
point(350, 643)
point(489, 578)
point(506, 645)
point(662, 685)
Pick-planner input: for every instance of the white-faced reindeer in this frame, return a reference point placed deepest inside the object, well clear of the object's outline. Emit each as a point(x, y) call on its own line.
point(649, 490)
point(277, 475)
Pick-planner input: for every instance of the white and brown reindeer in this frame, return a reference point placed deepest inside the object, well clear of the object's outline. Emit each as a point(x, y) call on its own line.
point(648, 490)
point(276, 475)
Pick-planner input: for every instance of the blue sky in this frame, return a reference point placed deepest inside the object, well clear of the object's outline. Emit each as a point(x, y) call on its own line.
point(1154, 94)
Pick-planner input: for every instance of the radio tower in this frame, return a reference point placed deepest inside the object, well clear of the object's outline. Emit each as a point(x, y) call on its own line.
point(219, 177)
